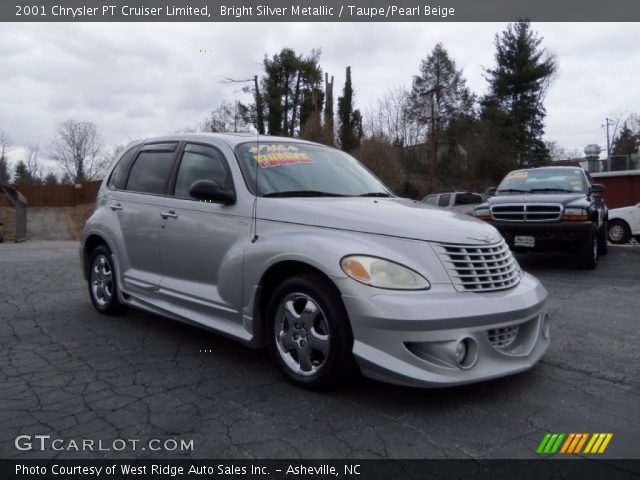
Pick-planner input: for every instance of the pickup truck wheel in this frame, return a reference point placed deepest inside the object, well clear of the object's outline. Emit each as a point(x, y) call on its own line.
point(619, 232)
point(588, 252)
point(309, 331)
point(103, 285)
point(603, 246)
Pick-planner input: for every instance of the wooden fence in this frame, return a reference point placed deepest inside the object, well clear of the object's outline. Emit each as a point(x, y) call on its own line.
point(60, 195)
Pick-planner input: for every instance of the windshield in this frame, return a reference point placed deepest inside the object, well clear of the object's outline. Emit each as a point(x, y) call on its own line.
point(543, 181)
point(296, 169)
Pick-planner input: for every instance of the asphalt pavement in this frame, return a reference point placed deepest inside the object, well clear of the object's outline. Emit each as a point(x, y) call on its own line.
point(68, 372)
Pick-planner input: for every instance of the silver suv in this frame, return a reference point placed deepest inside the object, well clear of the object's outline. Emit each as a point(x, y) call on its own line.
point(296, 246)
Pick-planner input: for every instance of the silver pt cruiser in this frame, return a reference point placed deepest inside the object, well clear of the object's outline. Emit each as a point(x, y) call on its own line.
point(297, 246)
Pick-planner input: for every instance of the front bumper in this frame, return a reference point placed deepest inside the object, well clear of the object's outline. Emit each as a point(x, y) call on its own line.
point(410, 338)
point(556, 236)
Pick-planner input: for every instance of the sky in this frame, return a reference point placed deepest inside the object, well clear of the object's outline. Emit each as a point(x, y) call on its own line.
point(135, 80)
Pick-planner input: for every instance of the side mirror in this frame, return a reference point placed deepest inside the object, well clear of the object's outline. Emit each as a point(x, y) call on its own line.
point(491, 191)
point(597, 188)
point(211, 191)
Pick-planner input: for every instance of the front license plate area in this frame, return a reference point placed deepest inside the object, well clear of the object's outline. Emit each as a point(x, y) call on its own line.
point(528, 241)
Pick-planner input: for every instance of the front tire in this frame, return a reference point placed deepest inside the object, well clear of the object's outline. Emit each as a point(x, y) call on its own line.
point(309, 332)
point(603, 245)
point(588, 252)
point(103, 284)
point(619, 232)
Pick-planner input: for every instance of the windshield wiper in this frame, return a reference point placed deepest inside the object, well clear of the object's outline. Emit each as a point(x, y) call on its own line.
point(548, 189)
point(513, 190)
point(375, 194)
point(302, 193)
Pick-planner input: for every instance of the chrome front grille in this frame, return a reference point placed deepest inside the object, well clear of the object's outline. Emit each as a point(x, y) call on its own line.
point(502, 337)
point(527, 212)
point(480, 268)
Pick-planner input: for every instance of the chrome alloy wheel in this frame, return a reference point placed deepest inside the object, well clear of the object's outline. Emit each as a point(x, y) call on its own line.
point(102, 280)
point(616, 232)
point(302, 334)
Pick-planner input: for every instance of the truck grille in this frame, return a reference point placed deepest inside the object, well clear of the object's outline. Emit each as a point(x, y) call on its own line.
point(480, 268)
point(542, 212)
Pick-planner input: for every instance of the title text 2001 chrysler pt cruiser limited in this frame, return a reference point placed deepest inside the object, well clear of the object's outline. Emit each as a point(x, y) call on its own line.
point(297, 246)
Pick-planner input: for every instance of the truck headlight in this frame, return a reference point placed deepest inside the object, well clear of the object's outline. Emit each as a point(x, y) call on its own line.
point(482, 213)
point(381, 273)
point(575, 215)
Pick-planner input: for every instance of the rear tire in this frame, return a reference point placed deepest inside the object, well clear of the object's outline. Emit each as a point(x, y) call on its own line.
point(619, 232)
point(102, 282)
point(588, 252)
point(309, 332)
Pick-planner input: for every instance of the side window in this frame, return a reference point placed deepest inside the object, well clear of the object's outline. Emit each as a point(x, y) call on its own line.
point(468, 199)
point(444, 199)
point(431, 199)
point(151, 169)
point(201, 163)
point(119, 174)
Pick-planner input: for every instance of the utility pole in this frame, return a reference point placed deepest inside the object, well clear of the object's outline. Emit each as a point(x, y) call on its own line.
point(608, 123)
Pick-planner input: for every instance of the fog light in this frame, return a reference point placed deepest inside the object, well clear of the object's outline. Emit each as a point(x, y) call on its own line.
point(544, 325)
point(461, 352)
point(466, 353)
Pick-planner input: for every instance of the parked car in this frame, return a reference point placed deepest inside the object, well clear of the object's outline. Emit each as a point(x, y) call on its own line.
point(296, 246)
point(623, 223)
point(550, 209)
point(460, 201)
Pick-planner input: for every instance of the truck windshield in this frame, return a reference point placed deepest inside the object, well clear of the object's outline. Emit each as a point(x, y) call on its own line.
point(286, 169)
point(543, 181)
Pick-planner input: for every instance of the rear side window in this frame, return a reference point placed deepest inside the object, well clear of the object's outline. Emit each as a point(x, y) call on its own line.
point(444, 199)
point(468, 199)
point(150, 171)
point(201, 163)
point(118, 177)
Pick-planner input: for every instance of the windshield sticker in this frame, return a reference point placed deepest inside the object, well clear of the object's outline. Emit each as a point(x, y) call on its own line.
point(518, 176)
point(269, 156)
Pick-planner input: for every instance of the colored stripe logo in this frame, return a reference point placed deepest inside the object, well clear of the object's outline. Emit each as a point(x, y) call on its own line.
point(574, 443)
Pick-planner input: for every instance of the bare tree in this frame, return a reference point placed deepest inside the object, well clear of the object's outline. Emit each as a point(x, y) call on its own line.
point(76, 147)
point(33, 165)
point(389, 118)
point(228, 117)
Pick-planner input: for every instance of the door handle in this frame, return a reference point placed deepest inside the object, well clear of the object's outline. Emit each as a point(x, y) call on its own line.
point(169, 214)
point(115, 206)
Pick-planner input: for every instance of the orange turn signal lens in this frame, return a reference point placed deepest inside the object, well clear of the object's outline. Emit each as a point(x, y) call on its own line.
point(355, 270)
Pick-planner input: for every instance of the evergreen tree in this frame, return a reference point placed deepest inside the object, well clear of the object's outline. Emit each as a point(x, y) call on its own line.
point(22, 175)
point(5, 176)
point(289, 80)
point(518, 85)
point(440, 81)
point(51, 179)
point(349, 120)
point(626, 142)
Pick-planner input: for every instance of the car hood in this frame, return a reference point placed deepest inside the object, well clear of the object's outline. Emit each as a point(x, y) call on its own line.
point(562, 198)
point(622, 210)
point(398, 217)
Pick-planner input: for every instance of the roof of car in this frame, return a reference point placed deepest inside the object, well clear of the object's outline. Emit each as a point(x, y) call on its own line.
point(230, 138)
point(550, 167)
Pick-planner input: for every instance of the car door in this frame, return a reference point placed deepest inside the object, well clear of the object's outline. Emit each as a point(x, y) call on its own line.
point(203, 243)
point(138, 204)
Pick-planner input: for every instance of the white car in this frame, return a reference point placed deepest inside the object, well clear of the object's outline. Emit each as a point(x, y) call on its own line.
point(623, 223)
